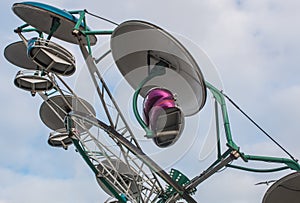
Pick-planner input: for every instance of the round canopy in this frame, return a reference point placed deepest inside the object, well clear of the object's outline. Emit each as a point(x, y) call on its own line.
point(287, 189)
point(137, 47)
point(16, 53)
point(54, 110)
point(41, 16)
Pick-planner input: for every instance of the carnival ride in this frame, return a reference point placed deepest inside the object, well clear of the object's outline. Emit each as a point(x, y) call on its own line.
point(161, 71)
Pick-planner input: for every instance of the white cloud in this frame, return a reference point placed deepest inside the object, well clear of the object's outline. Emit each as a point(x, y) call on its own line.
point(16, 187)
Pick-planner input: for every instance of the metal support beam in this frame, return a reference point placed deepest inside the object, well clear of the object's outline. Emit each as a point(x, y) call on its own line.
point(206, 174)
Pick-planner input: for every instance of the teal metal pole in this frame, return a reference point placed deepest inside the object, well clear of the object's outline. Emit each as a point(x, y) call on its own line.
point(87, 38)
point(292, 164)
point(30, 30)
point(149, 133)
point(81, 16)
point(217, 130)
point(75, 11)
point(289, 162)
point(220, 99)
point(258, 170)
point(98, 32)
point(158, 70)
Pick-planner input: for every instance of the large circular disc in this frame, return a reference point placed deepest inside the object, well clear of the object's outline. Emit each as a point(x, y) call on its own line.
point(135, 44)
point(54, 110)
point(16, 53)
point(41, 15)
point(287, 189)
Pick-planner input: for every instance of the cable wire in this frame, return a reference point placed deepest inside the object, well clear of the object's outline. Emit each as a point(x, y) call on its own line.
point(102, 18)
point(260, 128)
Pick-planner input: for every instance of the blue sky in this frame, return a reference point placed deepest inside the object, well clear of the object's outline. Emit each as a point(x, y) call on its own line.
point(255, 47)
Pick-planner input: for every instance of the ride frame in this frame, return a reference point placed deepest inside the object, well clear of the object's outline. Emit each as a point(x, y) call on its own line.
point(224, 159)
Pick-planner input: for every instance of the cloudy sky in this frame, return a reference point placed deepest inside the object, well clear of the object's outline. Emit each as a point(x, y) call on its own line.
point(255, 48)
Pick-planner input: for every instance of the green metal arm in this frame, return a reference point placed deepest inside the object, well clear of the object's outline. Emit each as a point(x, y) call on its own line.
point(290, 164)
point(257, 170)
point(221, 100)
point(149, 132)
point(86, 30)
point(23, 29)
point(98, 32)
point(157, 70)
